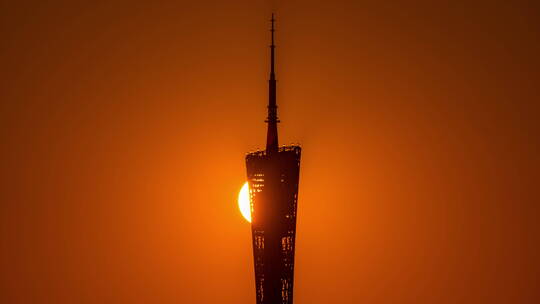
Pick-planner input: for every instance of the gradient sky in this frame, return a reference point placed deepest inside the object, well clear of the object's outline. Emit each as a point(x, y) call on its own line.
point(124, 127)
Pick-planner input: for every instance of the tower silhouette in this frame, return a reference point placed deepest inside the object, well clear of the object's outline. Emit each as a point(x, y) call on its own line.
point(273, 176)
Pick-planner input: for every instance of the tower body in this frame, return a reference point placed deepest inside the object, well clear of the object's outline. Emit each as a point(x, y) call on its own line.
point(273, 183)
point(273, 176)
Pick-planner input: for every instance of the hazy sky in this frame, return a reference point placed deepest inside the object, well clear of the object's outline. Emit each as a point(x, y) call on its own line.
point(124, 128)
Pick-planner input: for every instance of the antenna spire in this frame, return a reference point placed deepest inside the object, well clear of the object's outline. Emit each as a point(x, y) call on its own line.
point(272, 47)
point(272, 120)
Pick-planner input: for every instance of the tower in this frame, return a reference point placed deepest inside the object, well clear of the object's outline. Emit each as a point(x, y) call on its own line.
point(273, 176)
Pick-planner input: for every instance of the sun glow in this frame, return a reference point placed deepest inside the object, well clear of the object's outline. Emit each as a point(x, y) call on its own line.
point(243, 202)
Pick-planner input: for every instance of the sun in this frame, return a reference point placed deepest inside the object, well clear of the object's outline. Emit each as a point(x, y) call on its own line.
point(243, 202)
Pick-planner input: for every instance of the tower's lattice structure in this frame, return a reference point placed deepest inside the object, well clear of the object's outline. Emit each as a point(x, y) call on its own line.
point(273, 176)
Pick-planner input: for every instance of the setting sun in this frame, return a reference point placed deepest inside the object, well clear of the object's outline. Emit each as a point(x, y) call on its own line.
point(243, 202)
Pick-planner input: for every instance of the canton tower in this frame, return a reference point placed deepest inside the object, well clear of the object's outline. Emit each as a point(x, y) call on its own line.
point(273, 176)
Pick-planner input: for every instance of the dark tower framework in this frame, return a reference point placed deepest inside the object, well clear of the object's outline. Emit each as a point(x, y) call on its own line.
point(273, 176)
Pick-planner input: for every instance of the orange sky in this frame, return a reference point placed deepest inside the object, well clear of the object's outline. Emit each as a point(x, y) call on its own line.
point(124, 128)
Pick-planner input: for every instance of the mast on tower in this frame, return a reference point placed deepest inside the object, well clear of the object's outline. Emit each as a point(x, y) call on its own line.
point(272, 119)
